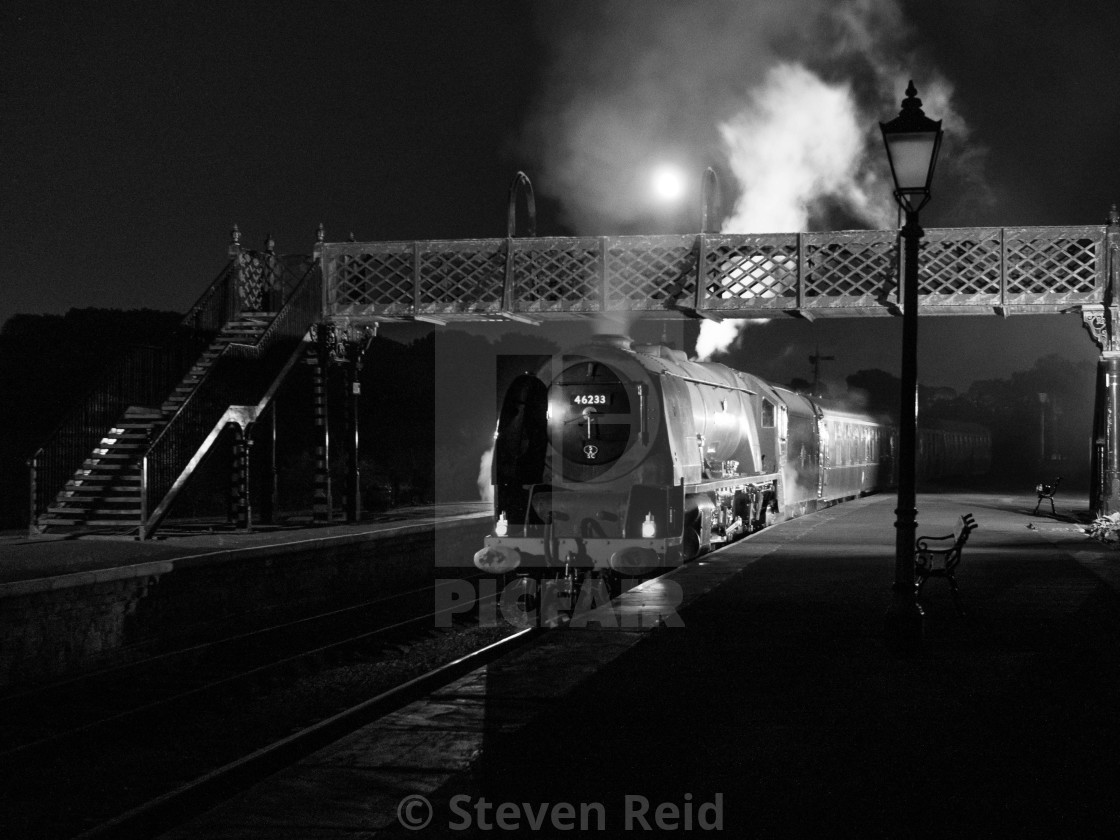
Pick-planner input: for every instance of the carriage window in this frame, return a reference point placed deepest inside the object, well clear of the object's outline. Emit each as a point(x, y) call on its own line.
point(767, 414)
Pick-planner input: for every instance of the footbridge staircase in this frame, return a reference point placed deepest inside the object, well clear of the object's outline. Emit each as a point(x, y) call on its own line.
point(122, 457)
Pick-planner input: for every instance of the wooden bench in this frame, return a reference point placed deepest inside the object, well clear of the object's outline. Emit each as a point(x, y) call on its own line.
point(932, 561)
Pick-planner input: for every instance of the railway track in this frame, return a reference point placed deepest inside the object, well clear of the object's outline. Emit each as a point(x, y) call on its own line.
point(47, 714)
point(78, 753)
point(200, 794)
point(207, 791)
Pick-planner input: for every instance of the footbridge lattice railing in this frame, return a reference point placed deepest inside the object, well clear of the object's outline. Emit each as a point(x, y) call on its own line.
point(1000, 270)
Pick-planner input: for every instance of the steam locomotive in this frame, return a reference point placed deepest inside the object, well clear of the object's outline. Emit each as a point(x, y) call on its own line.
point(616, 459)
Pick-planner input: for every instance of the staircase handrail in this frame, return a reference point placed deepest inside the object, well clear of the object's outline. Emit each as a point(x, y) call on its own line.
point(221, 311)
point(121, 385)
point(193, 428)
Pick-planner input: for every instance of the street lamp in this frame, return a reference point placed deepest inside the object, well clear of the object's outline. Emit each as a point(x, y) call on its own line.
point(912, 140)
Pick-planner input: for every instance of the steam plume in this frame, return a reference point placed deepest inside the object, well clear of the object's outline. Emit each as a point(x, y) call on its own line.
point(786, 96)
point(786, 158)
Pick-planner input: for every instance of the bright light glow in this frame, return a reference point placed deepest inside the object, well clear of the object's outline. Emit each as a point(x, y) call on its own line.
point(485, 487)
point(501, 527)
point(649, 527)
point(668, 183)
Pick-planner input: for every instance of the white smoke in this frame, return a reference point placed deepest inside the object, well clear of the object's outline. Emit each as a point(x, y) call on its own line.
point(796, 142)
point(718, 336)
point(786, 96)
point(786, 158)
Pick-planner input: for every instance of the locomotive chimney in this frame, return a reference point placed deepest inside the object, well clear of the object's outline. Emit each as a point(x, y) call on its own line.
point(621, 342)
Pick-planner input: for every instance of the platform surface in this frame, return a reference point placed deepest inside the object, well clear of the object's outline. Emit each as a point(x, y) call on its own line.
point(772, 705)
point(24, 558)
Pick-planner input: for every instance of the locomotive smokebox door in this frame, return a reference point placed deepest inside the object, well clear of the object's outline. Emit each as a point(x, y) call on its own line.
point(592, 415)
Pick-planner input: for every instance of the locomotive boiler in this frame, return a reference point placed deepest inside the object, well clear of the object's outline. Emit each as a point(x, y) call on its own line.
point(618, 458)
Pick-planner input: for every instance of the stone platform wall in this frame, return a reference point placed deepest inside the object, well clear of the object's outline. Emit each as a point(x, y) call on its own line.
point(66, 625)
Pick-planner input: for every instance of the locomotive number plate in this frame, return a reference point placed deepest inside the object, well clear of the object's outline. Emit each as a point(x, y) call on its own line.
point(591, 399)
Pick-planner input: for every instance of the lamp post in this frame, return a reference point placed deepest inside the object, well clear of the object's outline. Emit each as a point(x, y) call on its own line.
point(710, 200)
point(1043, 398)
point(912, 141)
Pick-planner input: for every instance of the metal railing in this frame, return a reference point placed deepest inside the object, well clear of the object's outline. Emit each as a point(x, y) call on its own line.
point(244, 379)
point(839, 273)
point(142, 377)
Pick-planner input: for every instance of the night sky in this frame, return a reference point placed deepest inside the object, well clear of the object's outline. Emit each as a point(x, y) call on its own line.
point(134, 134)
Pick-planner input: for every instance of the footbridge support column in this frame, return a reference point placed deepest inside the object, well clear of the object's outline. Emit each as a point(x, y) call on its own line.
point(1103, 323)
point(321, 503)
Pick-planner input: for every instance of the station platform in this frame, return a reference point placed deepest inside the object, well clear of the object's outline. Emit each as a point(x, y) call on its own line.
point(69, 605)
point(752, 693)
point(24, 558)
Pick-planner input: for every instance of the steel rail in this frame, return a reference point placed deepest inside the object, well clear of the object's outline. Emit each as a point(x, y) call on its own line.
point(187, 801)
point(228, 680)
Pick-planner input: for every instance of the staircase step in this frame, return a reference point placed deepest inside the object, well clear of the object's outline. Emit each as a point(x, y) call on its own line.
point(98, 506)
point(125, 494)
point(101, 487)
point(48, 521)
point(89, 464)
point(96, 477)
point(105, 483)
